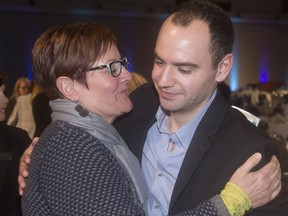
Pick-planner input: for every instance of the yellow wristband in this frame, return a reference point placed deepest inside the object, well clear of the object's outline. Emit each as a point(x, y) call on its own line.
point(235, 199)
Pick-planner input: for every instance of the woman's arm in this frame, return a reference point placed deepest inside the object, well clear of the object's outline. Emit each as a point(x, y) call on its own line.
point(261, 186)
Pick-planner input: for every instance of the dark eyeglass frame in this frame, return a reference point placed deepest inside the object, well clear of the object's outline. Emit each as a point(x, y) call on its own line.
point(123, 63)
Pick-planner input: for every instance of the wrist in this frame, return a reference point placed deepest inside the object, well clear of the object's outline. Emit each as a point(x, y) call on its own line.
point(235, 199)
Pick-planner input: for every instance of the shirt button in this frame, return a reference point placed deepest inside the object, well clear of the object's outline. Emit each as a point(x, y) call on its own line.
point(157, 206)
point(160, 174)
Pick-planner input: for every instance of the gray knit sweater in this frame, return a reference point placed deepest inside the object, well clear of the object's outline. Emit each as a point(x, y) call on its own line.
point(73, 173)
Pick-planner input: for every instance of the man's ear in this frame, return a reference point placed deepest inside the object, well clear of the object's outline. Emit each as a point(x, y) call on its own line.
point(224, 68)
point(66, 86)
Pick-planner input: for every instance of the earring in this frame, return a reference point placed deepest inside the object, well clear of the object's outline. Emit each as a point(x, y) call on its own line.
point(82, 112)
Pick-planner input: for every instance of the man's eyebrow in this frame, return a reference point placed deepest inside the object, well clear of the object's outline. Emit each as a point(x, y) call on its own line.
point(186, 64)
point(179, 64)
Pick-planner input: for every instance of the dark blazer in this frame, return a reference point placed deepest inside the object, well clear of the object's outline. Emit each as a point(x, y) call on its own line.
point(13, 142)
point(223, 141)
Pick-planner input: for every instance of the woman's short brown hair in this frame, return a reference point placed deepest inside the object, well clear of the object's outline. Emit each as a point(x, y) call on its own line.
point(69, 50)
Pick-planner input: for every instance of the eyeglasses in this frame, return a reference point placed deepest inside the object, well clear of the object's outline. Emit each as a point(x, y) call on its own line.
point(113, 67)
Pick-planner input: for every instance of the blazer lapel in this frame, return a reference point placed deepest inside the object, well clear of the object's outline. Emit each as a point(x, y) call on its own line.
point(200, 143)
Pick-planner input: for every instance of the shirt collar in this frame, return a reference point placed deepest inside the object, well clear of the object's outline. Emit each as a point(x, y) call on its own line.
point(186, 132)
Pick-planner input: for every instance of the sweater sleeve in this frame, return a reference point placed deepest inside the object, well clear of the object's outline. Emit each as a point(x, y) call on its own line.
point(212, 207)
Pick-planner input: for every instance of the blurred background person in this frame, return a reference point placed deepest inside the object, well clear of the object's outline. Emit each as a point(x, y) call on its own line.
point(22, 115)
point(13, 142)
point(40, 109)
point(136, 81)
point(21, 87)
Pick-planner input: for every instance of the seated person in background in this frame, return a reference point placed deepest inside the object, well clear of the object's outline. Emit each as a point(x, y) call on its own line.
point(13, 142)
point(81, 165)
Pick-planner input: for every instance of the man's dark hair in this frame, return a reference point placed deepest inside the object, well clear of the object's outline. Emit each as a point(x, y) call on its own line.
point(220, 25)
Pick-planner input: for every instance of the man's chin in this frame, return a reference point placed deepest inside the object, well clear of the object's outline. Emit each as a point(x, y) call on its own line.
point(167, 105)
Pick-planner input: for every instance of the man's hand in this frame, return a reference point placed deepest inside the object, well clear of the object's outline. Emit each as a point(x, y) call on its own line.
point(24, 163)
point(262, 185)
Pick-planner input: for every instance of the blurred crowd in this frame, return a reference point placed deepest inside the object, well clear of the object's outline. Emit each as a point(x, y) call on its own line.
point(271, 106)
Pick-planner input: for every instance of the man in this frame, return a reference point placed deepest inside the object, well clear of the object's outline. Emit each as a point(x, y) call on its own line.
point(189, 151)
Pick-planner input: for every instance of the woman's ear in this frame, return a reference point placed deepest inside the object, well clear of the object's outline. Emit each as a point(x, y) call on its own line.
point(66, 86)
point(224, 68)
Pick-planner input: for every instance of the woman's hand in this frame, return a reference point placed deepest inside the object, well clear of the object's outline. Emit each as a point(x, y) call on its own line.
point(262, 185)
point(24, 163)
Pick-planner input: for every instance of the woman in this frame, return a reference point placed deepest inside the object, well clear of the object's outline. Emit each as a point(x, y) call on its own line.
point(22, 115)
point(13, 142)
point(81, 165)
point(21, 87)
point(86, 97)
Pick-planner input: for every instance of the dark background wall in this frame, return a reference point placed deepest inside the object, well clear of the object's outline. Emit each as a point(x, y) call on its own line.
point(260, 52)
point(19, 30)
point(261, 46)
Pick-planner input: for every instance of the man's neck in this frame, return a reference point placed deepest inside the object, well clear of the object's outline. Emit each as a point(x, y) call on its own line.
point(178, 119)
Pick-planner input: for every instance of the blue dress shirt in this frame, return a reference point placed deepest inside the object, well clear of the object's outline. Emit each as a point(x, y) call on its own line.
point(161, 164)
